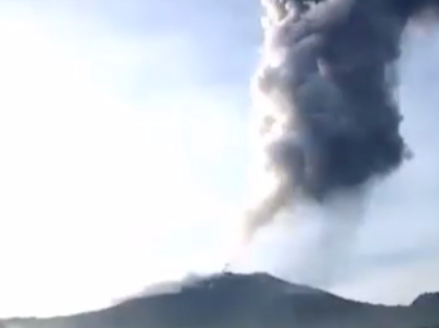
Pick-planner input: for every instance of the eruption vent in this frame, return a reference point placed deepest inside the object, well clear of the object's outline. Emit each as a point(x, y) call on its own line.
point(327, 117)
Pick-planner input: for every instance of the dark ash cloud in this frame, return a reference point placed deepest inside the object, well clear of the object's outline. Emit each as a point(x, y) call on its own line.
point(325, 90)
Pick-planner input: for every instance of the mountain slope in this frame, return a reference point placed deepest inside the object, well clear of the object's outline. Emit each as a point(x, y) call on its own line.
point(231, 300)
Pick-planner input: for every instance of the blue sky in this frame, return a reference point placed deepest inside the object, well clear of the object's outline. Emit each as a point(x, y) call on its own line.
point(123, 134)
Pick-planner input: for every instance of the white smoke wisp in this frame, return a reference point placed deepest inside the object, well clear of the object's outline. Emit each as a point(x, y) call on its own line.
point(325, 256)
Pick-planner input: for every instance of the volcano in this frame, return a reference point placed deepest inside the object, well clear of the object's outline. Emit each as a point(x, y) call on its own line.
point(243, 301)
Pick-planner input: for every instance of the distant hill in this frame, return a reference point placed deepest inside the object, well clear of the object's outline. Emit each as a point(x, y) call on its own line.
point(244, 301)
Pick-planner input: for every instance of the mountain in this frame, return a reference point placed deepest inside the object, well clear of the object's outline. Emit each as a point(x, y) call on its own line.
point(243, 301)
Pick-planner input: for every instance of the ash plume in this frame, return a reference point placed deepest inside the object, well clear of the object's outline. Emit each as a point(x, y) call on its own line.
point(324, 96)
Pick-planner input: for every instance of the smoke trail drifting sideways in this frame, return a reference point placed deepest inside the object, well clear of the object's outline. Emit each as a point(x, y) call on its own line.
point(328, 120)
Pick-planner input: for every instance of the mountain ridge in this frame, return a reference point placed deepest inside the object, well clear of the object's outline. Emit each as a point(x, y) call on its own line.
point(246, 300)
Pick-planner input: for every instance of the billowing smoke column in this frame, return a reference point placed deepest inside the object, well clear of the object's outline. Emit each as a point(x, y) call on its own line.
point(324, 95)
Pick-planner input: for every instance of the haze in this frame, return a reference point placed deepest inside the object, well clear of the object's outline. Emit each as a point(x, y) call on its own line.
point(123, 157)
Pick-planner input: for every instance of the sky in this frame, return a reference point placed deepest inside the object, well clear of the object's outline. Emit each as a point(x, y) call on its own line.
point(124, 152)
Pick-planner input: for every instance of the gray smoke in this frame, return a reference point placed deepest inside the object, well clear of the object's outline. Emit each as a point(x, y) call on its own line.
point(328, 118)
